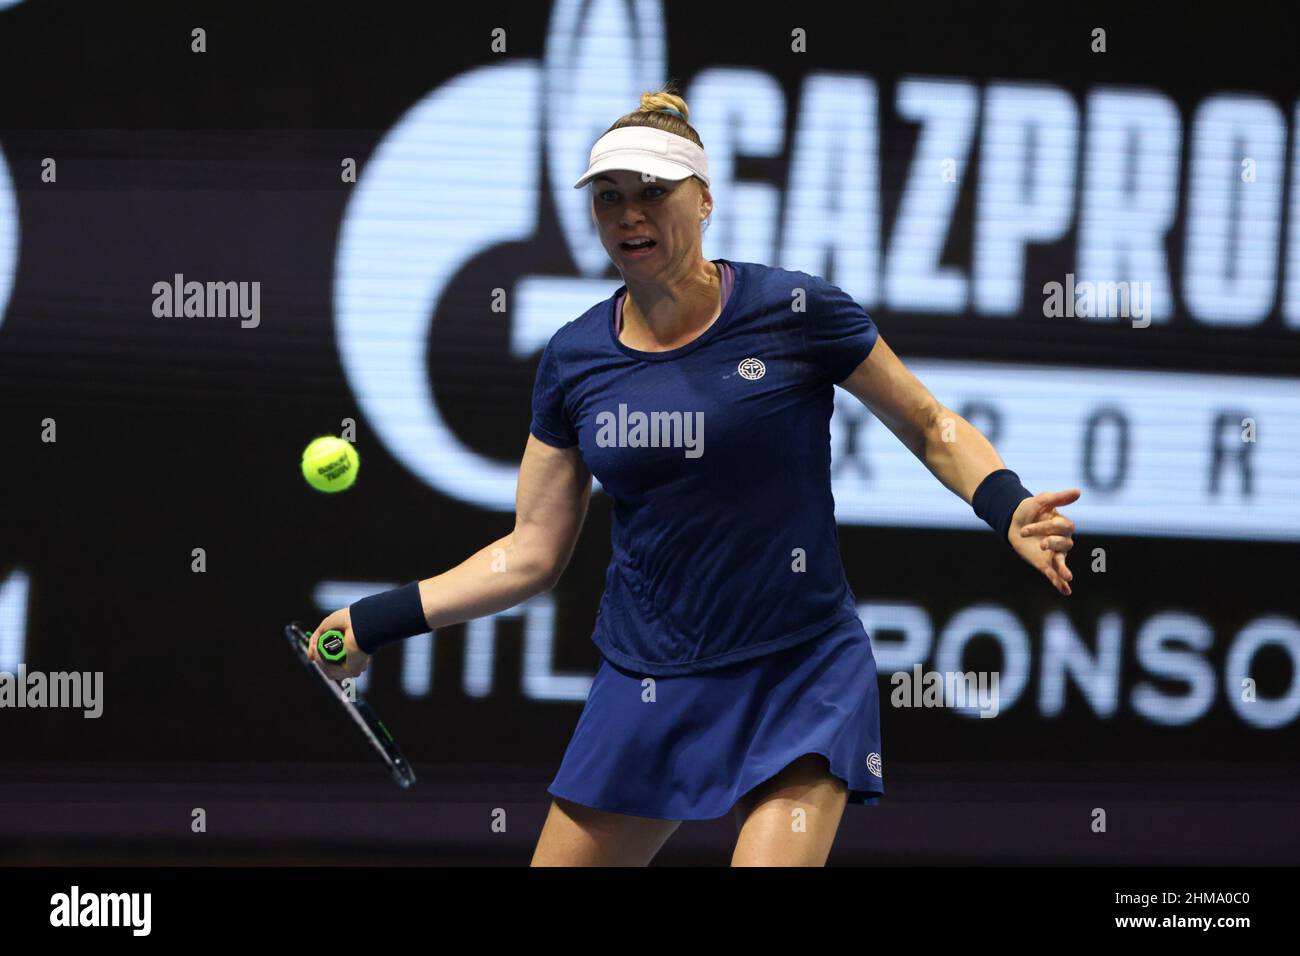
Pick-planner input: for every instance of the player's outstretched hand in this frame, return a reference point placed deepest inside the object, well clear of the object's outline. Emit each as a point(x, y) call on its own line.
point(1043, 536)
point(357, 659)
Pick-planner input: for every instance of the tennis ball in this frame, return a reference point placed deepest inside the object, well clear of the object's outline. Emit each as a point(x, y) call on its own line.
point(330, 464)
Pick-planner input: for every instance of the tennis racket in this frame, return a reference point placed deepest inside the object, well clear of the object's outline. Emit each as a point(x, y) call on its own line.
point(330, 647)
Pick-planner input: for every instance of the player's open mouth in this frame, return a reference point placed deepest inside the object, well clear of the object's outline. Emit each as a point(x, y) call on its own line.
point(638, 247)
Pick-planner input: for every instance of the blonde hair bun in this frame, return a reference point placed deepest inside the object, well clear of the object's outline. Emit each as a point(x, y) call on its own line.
point(654, 102)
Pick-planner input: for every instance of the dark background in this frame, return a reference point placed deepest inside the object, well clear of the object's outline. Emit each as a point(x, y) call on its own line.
point(175, 434)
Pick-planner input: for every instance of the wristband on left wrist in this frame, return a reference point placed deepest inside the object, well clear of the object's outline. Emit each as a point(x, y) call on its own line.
point(388, 617)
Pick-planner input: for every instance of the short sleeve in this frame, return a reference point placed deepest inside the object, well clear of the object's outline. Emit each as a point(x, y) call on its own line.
point(551, 422)
point(838, 333)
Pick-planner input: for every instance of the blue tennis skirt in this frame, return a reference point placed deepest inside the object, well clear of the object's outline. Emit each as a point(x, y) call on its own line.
point(690, 745)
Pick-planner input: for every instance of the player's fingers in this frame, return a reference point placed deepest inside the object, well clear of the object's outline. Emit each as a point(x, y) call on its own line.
point(1056, 580)
point(1051, 499)
point(1057, 542)
point(1049, 522)
point(335, 621)
point(1053, 524)
point(1061, 569)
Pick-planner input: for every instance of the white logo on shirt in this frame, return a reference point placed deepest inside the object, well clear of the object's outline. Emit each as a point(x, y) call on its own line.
point(873, 763)
point(751, 368)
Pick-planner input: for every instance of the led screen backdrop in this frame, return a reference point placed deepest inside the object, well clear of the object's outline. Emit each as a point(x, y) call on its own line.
point(1094, 256)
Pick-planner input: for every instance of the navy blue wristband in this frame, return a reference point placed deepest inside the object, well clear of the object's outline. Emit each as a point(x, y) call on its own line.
point(997, 497)
point(387, 617)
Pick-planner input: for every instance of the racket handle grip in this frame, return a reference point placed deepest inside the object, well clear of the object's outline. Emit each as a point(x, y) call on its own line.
point(331, 647)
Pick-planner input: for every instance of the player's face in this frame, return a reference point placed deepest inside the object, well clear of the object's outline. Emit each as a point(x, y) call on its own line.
point(625, 204)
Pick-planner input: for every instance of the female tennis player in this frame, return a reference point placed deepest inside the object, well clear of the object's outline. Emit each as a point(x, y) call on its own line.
point(736, 676)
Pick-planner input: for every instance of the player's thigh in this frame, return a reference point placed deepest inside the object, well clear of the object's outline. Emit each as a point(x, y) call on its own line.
point(790, 819)
point(574, 835)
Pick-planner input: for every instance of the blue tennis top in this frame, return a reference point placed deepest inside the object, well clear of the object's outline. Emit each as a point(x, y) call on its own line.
point(716, 456)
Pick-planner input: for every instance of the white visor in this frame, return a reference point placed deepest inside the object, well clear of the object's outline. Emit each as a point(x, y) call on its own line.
point(643, 149)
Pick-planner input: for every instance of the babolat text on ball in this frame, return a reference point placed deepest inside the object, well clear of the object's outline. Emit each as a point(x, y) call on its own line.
point(330, 464)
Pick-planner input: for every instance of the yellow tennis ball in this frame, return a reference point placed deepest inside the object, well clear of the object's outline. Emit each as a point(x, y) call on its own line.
point(330, 464)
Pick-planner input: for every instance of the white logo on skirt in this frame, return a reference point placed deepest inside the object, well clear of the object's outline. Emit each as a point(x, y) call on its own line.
point(873, 763)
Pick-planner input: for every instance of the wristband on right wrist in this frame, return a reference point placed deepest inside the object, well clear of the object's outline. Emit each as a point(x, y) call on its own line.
point(388, 617)
point(997, 497)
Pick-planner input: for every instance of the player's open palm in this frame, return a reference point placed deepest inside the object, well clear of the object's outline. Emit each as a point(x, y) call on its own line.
point(1043, 536)
point(357, 660)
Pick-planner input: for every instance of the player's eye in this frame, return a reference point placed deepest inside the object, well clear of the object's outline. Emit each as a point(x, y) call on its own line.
point(611, 195)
